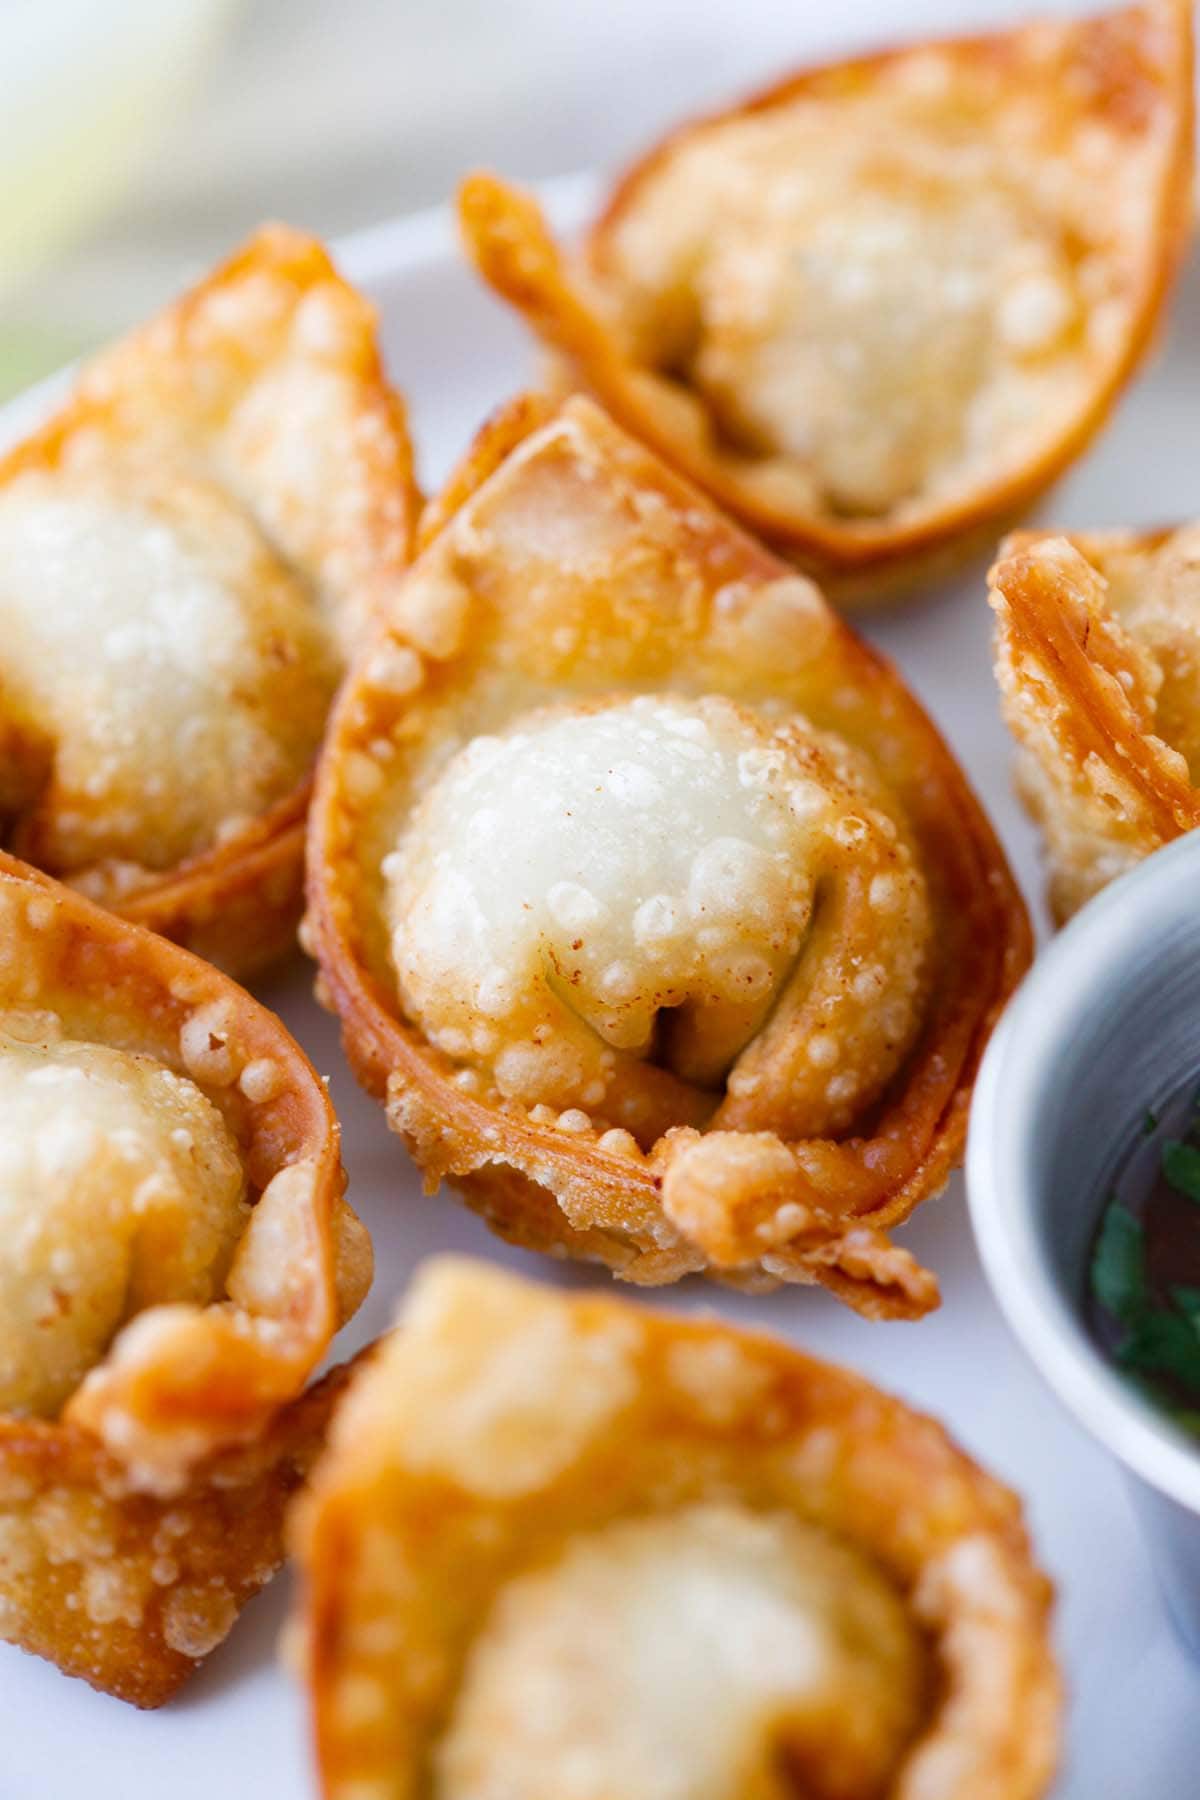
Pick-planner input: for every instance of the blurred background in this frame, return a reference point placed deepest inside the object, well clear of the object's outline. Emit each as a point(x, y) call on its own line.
point(141, 139)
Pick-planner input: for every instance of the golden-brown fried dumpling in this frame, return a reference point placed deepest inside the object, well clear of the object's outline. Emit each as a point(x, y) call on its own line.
point(175, 1257)
point(652, 904)
point(565, 1549)
point(188, 553)
point(1098, 659)
point(879, 307)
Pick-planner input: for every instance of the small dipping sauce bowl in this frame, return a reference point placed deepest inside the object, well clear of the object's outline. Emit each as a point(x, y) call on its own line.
point(1105, 1027)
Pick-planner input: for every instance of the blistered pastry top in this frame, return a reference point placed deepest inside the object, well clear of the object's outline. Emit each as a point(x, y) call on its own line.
point(121, 1187)
point(874, 291)
point(170, 672)
point(635, 880)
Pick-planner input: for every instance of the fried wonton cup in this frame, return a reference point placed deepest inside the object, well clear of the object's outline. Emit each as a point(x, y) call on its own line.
point(189, 551)
point(878, 308)
point(561, 1545)
point(1098, 660)
point(653, 906)
point(175, 1257)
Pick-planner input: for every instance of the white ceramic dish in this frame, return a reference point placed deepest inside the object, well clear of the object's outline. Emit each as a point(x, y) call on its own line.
point(239, 1728)
point(1107, 1025)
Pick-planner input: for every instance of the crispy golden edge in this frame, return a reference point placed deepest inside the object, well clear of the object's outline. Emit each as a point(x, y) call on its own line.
point(517, 1173)
point(1051, 657)
point(791, 1434)
point(212, 1377)
point(170, 1468)
point(1145, 55)
point(74, 1536)
point(238, 903)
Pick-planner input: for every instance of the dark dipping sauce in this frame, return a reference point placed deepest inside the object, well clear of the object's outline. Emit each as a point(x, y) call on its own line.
point(1143, 1298)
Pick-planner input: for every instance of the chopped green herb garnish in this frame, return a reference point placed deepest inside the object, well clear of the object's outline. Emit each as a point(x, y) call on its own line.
point(1160, 1397)
point(1163, 1343)
point(1187, 1299)
point(1145, 1269)
point(1119, 1265)
point(1181, 1166)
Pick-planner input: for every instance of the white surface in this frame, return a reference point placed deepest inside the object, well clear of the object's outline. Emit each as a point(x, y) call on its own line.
point(239, 1729)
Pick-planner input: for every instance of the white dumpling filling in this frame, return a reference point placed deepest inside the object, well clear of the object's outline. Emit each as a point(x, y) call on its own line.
point(878, 298)
point(563, 886)
point(708, 1654)
point(635, 879)
point(169, 674)
point(121, 1186)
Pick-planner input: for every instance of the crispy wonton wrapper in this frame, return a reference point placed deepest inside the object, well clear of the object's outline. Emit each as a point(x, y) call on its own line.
point(1098, 659)
point(878, 308)
point(561, 1544)
point(137, 1518)
point(568, 579)
point(194, 544)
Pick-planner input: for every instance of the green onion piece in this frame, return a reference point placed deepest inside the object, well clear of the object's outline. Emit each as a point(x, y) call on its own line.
point(1162, 1343)
point(1119, 1265)
point(1181, 1166)
point(1187, 1299)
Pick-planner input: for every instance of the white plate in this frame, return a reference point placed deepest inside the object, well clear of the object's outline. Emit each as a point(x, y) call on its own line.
point(239, 1727)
